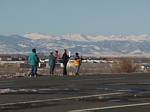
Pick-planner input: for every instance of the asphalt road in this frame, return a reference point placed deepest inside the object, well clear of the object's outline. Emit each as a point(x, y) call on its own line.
point(70, 93)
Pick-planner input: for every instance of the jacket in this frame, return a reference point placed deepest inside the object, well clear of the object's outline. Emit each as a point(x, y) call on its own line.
point(77, 61)
point(33, 59)
point(65, 58)
point(52, 60)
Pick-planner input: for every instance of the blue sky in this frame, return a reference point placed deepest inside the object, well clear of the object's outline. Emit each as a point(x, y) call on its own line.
point(95, 17)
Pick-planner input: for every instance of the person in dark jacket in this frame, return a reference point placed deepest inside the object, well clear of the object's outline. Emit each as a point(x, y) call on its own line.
point(33, 61)
point(65, 59)
point(52, 63)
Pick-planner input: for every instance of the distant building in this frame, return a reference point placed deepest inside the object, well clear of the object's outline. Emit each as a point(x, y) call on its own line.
point(13, 57)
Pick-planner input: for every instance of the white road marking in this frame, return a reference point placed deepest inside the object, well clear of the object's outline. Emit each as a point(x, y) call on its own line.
point(59, 99)
point(111, 107)
point(9, 90)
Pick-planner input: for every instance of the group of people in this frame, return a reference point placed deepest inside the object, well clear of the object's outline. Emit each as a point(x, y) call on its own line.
point(53, 59)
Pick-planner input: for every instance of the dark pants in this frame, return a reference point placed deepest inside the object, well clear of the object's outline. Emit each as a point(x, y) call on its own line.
point(34, 70)
point(64, 68)
point(52, 67)
point(77, 68)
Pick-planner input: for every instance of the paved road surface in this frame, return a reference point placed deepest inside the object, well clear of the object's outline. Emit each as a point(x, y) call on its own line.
point(69, 93)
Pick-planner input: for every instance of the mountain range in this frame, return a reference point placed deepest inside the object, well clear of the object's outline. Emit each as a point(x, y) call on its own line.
point(95, 45)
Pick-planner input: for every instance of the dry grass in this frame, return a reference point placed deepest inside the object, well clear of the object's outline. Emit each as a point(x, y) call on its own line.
point(122, 66)
point(125, 66)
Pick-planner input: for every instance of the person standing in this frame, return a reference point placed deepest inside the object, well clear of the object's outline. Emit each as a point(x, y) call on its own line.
point(77, 62)
point(33, 61)
point(56, 54)
point(52, 63)
point(65, 59)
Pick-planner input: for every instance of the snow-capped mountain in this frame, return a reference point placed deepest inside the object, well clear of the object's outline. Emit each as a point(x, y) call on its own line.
point(87, 38)
point(85, 44)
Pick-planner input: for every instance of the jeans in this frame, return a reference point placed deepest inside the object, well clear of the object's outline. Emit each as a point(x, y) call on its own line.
point(34, 70)
point(77, 68)
point(52, 67)
point(64, 68)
